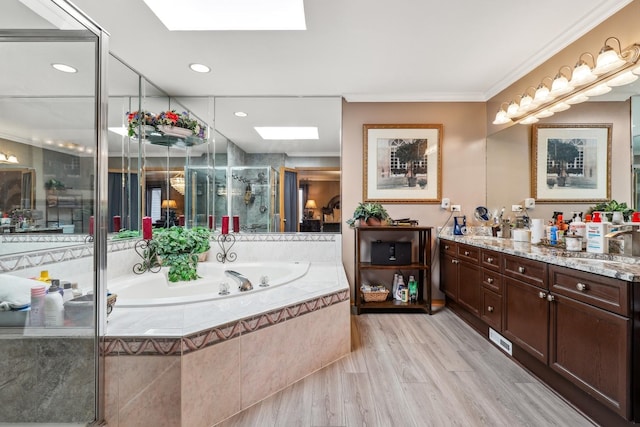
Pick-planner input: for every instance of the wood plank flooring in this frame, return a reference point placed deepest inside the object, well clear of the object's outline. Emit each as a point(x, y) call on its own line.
point(414, 370)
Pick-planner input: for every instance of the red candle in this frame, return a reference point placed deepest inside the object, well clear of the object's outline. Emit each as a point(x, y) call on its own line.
point(211, 222)
point(116, 223)
point(225, 224)
point(91, 224)
point(147, 234)
point(181, 220)
point(236, 223)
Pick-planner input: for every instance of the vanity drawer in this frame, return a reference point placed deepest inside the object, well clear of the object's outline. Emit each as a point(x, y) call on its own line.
point(600, 291)
point(491, 311)
point(526, 270)
point(469, 253)
point(492, 280)
point(490, 259)
point(449, 248)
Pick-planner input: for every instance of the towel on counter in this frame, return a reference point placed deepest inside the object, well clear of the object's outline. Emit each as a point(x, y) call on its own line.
point(15, 292)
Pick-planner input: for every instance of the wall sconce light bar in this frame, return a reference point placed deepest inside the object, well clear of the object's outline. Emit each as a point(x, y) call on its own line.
point(9, 159)
point(611, 68)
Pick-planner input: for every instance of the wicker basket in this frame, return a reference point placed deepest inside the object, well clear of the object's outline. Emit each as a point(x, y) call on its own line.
point(375, 296)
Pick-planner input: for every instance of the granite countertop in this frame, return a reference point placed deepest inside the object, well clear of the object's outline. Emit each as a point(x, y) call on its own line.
point(611, 265)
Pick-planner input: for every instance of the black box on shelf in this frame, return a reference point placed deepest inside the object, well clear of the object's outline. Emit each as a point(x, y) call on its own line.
point(390, 253)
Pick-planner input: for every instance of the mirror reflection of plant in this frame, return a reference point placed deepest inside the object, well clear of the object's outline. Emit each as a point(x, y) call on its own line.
point(139, 118)
point(613, 206)
point(178, 247)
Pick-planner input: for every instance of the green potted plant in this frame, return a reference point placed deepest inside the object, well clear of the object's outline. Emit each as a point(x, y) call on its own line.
point(367, 213)
point(410, 153)
point(612, 206)
point(179, 249)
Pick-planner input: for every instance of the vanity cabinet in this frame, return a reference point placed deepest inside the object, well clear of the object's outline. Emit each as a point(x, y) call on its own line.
point(461, 275)
point(590, 332)
point(419, 266)
point(577, 325)
point(526, 309)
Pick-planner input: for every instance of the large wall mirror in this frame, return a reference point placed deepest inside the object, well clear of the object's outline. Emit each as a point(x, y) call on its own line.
point(509, 158)
point(279, 183)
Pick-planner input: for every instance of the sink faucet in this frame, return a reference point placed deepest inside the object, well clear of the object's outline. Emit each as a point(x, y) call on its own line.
point(245, 284)
point(631, 230)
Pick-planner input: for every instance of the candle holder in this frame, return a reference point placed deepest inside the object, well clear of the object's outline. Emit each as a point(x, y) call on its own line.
point(226, 242)
point(149, 262)
point(88, 239)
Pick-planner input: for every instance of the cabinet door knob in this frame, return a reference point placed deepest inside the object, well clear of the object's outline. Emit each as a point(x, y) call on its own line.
point(581, 287)
point(454, 261)
point(521, 269)
point(490, 260)
point(542, 295)
point(490, 280)
point(466, 253)
point(490, 309)
point(550, 298)
point(446, 246)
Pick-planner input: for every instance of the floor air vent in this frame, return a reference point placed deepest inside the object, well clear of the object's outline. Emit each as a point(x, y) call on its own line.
point(500, 341)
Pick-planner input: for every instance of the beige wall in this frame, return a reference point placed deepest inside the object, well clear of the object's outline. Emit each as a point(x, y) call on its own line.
point(463, 161)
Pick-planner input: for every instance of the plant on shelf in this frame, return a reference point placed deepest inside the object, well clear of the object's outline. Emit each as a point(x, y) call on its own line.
point(178, 248)
point(137, 119)
point(368, 213)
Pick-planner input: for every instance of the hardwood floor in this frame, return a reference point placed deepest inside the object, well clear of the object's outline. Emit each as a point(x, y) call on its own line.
point(415, 370)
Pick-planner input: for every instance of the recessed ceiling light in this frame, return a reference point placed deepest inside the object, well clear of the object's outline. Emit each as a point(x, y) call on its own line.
point(240, 114)
point(199, 68)
point(225, 15)
point(287, 132)
point(64, 68)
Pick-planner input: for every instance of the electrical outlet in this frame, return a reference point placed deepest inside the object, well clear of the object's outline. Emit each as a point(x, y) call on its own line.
point(455, 208)
point(445, 203)
point(529, 203)
point(516, 208)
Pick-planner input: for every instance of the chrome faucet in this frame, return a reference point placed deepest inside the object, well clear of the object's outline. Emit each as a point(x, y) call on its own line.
point(631, 230)
point(245, 284)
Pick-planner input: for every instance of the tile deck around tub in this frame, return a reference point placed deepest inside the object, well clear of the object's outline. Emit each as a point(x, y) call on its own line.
point(188, 327)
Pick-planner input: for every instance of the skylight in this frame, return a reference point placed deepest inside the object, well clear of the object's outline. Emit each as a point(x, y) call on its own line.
point(287, 132)
point(221, 15)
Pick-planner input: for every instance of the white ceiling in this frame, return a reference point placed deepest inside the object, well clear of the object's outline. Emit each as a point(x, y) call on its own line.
point(364, 50)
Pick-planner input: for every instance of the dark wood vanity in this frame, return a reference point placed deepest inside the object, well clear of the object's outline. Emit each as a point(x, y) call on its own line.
point(577, 330)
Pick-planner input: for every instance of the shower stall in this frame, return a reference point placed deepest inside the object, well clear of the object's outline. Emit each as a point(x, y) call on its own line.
point(251, 193)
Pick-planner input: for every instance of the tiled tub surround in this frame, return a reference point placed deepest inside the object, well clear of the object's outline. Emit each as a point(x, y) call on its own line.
point(197, 364)
point(610, 265)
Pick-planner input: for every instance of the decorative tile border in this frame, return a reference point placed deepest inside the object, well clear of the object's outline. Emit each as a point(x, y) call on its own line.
point(148, 346)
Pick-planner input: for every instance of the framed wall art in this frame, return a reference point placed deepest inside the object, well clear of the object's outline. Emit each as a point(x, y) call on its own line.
point(571, 162)
point(402, 163)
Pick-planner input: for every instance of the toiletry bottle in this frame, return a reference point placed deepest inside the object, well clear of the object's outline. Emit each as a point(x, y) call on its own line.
point(394, 289)
point(413, 290)
point(401, 286)
point(596, 230)
point(579, 228)
point(36, 314)
point(53, 309)
point(553, 234)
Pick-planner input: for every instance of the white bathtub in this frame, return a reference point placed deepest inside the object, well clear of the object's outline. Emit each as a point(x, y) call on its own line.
point(153, 289)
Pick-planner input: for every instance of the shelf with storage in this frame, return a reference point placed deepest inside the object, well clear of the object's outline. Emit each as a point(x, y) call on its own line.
point(417, 265)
